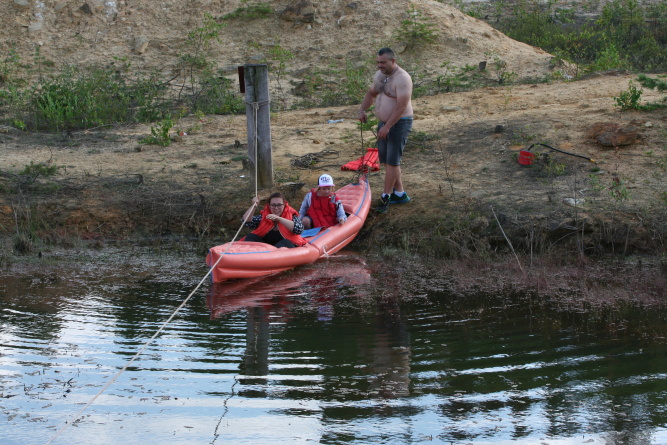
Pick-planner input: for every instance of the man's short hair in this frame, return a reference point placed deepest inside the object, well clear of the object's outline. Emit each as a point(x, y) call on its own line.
point(388, 52)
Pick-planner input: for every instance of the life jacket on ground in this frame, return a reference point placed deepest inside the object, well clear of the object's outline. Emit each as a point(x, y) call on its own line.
point(368, 162)
point(322, 209)
point(265, 225)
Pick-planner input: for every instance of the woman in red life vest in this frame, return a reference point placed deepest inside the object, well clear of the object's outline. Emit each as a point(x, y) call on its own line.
point(321, 207)
point(278, 224)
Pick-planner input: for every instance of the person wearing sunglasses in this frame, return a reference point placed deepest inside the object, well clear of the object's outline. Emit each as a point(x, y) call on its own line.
point(277, 224)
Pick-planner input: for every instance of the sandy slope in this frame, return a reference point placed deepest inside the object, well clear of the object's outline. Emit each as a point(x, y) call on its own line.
point(460, 165)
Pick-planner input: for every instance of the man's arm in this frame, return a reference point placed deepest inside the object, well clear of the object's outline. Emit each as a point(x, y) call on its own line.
point(369, 98)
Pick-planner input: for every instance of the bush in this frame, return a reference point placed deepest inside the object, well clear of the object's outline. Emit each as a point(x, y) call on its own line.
point(320, 92)
point(34, 171)
point(629, 99)
point(351, 90)
point(8, 66)
point(276, 59)
point(414, 31)
point(80, 99)
point(194, 60)
point(218, 97)
point(626, 35)
point(453, 79)
point(654, 84)
point(626, 25)
point(160, 134)
point(149, 99)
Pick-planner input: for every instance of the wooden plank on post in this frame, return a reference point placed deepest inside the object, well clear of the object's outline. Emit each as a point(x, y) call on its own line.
point(241, 79)
point(258, 118)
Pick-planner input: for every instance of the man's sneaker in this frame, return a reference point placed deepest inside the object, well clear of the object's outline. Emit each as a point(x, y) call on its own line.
point(383, 206)
point(393, 199)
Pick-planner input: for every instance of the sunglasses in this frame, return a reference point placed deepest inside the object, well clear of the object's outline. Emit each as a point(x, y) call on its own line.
point(276, 205)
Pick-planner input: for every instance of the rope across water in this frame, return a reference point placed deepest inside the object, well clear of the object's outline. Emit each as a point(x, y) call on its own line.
point(74, 418)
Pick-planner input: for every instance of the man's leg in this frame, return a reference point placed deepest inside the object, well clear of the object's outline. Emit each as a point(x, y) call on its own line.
point(392, 179)
point(395, 143)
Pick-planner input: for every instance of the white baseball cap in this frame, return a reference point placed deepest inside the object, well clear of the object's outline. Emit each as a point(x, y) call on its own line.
point(325, 181)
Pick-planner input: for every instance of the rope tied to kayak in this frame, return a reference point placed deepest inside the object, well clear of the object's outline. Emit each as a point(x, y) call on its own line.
point(363, 169)
point(145, 345)
point(255, 106)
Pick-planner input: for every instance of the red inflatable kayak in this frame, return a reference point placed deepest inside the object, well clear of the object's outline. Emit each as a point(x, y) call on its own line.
point(243, 259)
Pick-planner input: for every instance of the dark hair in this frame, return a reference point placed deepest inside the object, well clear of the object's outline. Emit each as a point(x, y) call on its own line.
point(388, 52)
point(277, 195)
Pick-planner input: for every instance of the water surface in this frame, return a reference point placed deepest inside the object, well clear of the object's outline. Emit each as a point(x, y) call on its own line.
point(332, 353)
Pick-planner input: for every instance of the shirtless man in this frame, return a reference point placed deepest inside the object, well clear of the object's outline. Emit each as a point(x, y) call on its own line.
point(391, 92)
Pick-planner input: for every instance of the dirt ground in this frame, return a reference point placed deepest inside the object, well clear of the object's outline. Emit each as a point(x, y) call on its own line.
point(460, 167)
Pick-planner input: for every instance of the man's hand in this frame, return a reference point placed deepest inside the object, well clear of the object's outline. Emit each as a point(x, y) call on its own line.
point(362, 116)
point(383, 132)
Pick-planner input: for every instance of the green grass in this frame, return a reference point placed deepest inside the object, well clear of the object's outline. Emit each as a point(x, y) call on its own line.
point(250, 11)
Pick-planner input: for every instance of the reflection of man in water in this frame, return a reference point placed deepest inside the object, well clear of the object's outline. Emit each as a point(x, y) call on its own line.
point(256, 358)
point(390, 356)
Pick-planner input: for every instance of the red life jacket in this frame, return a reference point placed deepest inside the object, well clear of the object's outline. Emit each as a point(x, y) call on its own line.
point(322, 210)
point(265, 225)
point(367, 162)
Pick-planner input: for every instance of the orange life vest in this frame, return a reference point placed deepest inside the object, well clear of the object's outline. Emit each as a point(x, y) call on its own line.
point(322, 209)
point(265, 225)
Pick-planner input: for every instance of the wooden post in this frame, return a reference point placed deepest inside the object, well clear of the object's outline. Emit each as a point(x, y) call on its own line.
point(258, 116)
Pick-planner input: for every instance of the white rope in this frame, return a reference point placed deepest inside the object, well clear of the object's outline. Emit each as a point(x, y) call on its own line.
point(171, 317)
point(255, 106)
